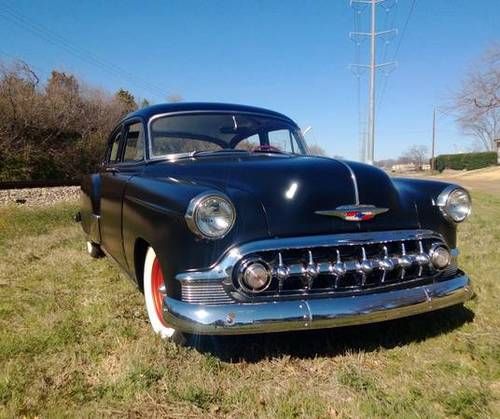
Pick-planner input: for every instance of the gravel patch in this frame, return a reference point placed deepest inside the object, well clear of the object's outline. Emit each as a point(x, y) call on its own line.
point(34, 197)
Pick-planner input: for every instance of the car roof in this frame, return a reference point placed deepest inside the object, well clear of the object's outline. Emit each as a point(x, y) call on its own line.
point(150, 111)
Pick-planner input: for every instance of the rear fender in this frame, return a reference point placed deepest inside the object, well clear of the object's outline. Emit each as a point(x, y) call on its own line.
point(90, 207)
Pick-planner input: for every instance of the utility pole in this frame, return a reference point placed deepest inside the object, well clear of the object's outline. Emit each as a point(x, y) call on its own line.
point(433, 139)
point(369, 154)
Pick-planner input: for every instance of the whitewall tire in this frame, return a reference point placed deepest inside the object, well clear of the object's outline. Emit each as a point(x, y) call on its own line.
point(154, 291)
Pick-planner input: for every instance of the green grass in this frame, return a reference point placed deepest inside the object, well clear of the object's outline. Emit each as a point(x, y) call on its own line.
point(75, 341)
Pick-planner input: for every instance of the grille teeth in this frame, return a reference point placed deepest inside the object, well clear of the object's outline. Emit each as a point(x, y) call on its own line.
point(332, 269)
point(349, 266)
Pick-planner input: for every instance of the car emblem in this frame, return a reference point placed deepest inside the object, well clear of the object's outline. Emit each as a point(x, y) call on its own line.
point(354, 212)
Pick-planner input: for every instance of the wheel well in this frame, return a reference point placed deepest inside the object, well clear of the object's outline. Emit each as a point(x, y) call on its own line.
point(140, 249)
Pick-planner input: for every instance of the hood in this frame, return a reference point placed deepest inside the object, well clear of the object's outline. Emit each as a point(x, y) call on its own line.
point(292, 188)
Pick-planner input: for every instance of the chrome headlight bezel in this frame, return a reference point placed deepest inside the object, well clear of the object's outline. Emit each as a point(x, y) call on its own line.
point(193, 213)
point(445, 202)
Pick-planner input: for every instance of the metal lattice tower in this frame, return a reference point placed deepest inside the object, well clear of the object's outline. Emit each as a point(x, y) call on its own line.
point(368, 143)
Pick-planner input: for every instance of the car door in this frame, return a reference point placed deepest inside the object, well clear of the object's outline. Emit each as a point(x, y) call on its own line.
point(126, 159)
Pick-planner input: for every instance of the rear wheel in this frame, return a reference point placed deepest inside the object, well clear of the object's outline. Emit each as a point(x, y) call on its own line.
point(154, 293)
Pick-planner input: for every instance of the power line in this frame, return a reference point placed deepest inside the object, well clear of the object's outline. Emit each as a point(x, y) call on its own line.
point(403, 33)
point(405, 26)
point(12, 15)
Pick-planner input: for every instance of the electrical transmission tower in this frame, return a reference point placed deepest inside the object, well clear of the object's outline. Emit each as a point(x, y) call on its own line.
point(368, 145)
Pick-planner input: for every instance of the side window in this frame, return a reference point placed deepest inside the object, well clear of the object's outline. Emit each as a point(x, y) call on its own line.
point(134, 142)
point(283, 140)
point(114, 147)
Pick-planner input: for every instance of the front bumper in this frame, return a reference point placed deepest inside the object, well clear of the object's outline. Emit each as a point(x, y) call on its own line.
point(321, 313)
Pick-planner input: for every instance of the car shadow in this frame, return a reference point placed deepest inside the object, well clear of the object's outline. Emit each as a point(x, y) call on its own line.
point(332, 342)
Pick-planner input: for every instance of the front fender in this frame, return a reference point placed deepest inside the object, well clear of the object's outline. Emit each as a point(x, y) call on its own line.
point(424, 194)
point(153, 210)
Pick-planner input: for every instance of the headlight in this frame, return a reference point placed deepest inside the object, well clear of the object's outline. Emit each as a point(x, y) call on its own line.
point(210, 215)
point(454, 203)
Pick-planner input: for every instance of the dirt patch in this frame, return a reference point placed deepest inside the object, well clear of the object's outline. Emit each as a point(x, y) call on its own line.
point(485, 180)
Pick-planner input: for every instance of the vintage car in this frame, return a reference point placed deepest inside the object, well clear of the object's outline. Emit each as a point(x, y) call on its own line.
point(226, 223)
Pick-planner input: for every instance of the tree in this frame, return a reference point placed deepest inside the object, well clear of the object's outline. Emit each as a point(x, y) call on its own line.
point(476, 105)
point(316, 150)
point(55, 130)
point(144, 103)
point(416, 154)
point(126, 101)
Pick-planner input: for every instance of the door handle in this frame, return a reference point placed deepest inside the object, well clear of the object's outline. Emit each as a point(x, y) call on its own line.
point(112, 170)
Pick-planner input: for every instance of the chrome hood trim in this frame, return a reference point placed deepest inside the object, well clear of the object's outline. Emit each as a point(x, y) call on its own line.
point(354, 180)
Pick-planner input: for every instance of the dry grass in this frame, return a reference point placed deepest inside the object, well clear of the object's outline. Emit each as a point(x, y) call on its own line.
point(74, 341)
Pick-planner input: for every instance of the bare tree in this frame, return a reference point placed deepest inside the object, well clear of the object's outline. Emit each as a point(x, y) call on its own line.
point(416, 154)
point(476, 105)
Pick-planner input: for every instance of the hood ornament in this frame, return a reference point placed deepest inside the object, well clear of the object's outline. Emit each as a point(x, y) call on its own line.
point(354, 212)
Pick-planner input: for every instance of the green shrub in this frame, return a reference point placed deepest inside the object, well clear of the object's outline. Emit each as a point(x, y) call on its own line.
point(467, 161)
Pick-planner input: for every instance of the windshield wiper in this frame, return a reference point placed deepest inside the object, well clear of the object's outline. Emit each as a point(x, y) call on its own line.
point(223, 150)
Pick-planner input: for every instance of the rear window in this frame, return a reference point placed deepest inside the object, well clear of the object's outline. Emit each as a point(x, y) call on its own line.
point(134, 143)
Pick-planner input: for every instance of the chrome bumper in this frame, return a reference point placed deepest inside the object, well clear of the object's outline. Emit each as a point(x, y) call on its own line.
point(282, 316)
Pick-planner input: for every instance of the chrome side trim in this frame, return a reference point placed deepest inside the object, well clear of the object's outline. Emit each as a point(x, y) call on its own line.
point(354, 181)
point(223, 268)
point(151, 206)
point(289, 315)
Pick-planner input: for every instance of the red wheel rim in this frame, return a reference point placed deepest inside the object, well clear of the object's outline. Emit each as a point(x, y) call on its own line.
point(157, 282)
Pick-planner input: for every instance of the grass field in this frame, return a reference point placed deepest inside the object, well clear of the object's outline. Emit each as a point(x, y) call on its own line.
point(75, 341)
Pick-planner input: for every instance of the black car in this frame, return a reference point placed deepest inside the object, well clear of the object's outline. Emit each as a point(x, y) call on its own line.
point(228, 226)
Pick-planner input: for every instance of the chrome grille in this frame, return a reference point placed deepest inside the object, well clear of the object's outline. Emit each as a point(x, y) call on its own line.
point(348, 267)
point(204, 292)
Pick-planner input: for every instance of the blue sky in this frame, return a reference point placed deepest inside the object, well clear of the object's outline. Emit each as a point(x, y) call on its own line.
point(291, 56)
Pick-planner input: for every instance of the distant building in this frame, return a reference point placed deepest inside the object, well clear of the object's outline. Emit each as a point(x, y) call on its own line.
point(403, 167)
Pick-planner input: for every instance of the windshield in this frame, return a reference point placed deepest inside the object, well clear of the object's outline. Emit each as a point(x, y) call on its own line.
point(223, 131)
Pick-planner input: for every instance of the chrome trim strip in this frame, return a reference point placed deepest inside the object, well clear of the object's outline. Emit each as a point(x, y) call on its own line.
point(282, 316)
point(151, 206)
point(354, 181)
point(223, 268)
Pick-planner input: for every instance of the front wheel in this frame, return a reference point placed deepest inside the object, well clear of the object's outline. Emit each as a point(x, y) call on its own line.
point(154, 292)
